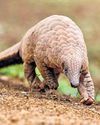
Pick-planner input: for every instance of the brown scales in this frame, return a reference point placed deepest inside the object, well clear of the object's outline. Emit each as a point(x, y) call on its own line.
point(55, 45)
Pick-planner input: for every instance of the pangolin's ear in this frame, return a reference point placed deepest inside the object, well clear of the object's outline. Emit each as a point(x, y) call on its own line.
point(63, 65)
point(81, 69)
point(64, 68)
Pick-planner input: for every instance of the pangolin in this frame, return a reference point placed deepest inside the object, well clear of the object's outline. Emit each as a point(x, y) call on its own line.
point(55, 45)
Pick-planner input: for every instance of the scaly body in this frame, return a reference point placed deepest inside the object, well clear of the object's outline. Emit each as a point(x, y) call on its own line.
point(55, 45)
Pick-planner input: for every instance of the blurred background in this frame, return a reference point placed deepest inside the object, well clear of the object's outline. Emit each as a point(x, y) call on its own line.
point(17, 16)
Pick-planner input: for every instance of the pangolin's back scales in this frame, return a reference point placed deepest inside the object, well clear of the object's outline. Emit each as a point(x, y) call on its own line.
point(57, 36)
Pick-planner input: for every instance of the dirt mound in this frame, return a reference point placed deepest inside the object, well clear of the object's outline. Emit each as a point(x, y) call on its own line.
point(18, 107)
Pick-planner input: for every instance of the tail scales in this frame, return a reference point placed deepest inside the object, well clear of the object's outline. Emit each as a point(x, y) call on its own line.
point(10, 56)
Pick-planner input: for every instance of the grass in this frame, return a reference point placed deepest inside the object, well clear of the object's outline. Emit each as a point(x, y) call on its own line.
point(64, 85)
point(65, 88)
point(15, 71)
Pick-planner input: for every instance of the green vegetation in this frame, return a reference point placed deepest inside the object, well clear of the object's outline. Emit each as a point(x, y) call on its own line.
point(15, 71)
point(64, 86)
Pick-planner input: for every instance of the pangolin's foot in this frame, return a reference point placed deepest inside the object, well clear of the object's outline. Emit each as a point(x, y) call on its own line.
point(38, 86)
point(47, 86)
point(88, 101)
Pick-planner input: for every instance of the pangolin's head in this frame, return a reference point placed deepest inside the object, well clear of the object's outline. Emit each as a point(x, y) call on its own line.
point(72, 69)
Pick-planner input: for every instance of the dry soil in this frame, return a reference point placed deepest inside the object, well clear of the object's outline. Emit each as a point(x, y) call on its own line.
point(18, 107)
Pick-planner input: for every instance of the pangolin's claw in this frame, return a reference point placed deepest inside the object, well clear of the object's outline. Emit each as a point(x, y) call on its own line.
point(88, 101)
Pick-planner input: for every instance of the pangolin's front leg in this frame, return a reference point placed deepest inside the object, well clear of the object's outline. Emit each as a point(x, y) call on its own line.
point(86, 87)
point(50, 81)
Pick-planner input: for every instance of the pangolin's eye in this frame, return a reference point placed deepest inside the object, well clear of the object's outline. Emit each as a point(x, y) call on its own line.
point(66, 70)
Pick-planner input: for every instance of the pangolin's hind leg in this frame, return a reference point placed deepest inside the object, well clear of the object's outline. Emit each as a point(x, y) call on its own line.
point(33, 80)
point(30, 75)
point(29, 72)
point(54, 74)
point(50, 82)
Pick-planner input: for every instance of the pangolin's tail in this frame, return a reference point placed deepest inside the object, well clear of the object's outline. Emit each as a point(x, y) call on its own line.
point(11, 56)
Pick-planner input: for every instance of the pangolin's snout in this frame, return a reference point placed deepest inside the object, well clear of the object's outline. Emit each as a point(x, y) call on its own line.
point(74, 85)
point(74, 80)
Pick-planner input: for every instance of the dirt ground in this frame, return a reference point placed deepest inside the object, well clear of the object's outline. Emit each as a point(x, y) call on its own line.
point(20, 108)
